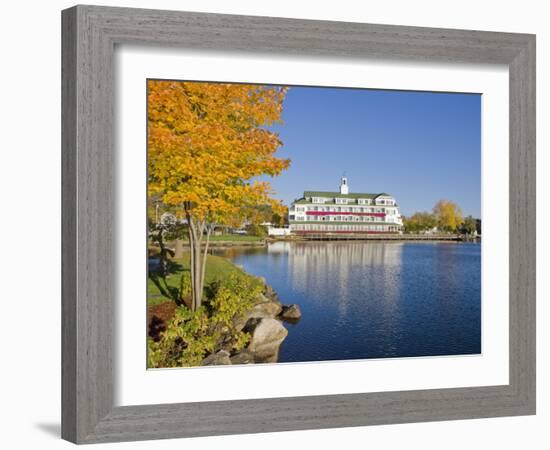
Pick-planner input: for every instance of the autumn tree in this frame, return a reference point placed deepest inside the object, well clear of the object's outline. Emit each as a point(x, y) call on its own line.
point(448, 215)
point(419, 221)
point(207, 145)
point(279, 219)
point(267, 214)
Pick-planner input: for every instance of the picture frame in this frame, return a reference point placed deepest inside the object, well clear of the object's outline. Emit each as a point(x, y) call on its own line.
point(89, 37)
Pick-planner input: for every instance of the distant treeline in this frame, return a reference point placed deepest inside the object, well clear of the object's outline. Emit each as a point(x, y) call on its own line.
point(445, 216)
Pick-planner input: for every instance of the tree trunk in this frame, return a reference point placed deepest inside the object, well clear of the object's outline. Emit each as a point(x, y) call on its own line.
point(198, 260)
point(203, 273)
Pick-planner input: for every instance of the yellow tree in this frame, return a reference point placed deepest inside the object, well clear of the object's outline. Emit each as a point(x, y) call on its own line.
point(207, 145)
point(278, 218)
point(448, 215)
point(419, 221)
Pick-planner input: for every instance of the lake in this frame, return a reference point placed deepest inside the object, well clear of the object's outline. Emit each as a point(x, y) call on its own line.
point(373, 300)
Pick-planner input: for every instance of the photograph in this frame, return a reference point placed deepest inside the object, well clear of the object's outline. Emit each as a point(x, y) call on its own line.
point(296, 224)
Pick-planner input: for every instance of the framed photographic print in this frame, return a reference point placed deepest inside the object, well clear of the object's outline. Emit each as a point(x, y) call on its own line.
point(278, 224)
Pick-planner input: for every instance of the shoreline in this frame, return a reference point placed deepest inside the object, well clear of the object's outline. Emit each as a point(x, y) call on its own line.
point(262, 321)
point(337, 238)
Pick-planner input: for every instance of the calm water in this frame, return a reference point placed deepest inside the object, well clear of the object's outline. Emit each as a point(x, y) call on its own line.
point(373, 300)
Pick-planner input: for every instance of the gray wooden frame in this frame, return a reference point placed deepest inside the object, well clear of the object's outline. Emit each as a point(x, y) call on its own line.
point(89, 36)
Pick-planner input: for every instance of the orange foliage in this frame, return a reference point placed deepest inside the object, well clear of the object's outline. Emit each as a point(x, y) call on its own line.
point(207, 143)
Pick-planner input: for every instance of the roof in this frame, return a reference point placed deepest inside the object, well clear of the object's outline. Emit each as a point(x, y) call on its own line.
point(330, 222)
point(303, 201)
point(338, 195)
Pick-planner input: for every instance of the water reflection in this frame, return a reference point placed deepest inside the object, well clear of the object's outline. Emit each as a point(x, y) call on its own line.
point(328, 272)
point(365, 300)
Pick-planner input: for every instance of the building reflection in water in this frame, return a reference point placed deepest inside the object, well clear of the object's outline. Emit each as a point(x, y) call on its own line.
point(342, 269)
point(373, 299)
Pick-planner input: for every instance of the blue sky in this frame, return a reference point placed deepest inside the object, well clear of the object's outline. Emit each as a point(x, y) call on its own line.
point(418, 146)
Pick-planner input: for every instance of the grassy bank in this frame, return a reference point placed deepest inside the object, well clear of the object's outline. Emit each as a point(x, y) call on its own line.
point(217, 269)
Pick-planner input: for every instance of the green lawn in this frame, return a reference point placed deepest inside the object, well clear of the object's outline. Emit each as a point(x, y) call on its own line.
point(217, 268)
point(236, 238)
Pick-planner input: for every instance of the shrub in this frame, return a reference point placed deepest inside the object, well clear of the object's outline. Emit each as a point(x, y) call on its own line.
point(185, 285)
point(256, 230)
point(191, 336)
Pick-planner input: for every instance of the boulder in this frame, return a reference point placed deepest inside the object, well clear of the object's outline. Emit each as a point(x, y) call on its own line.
point(244, 357)
point(267, 334)
point(290, 313)
point(220, 358)
point(261, 299)
point(270, 293)
point(268, 358)
point(261, 310)
point(266, 309)
point(240, 322)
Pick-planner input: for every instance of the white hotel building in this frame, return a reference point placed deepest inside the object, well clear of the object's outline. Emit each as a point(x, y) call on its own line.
point(344, 212)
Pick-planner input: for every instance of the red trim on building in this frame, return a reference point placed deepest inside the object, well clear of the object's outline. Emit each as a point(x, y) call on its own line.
point(333, 213)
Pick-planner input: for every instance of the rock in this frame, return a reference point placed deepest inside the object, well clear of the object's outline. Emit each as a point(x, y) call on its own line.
point(270, 293)
point(244, 357)
point(264, 330)
point(240, 322)
point(291, 313)
point(267, 334)
point(262, 299)
point(268, 358)
point(266, 309)
point(220, 358)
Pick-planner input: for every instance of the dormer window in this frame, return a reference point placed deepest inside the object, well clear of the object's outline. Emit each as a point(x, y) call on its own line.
point(318, 200)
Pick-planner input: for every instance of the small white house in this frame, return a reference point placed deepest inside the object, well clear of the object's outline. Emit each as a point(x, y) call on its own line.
point(273, 231)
